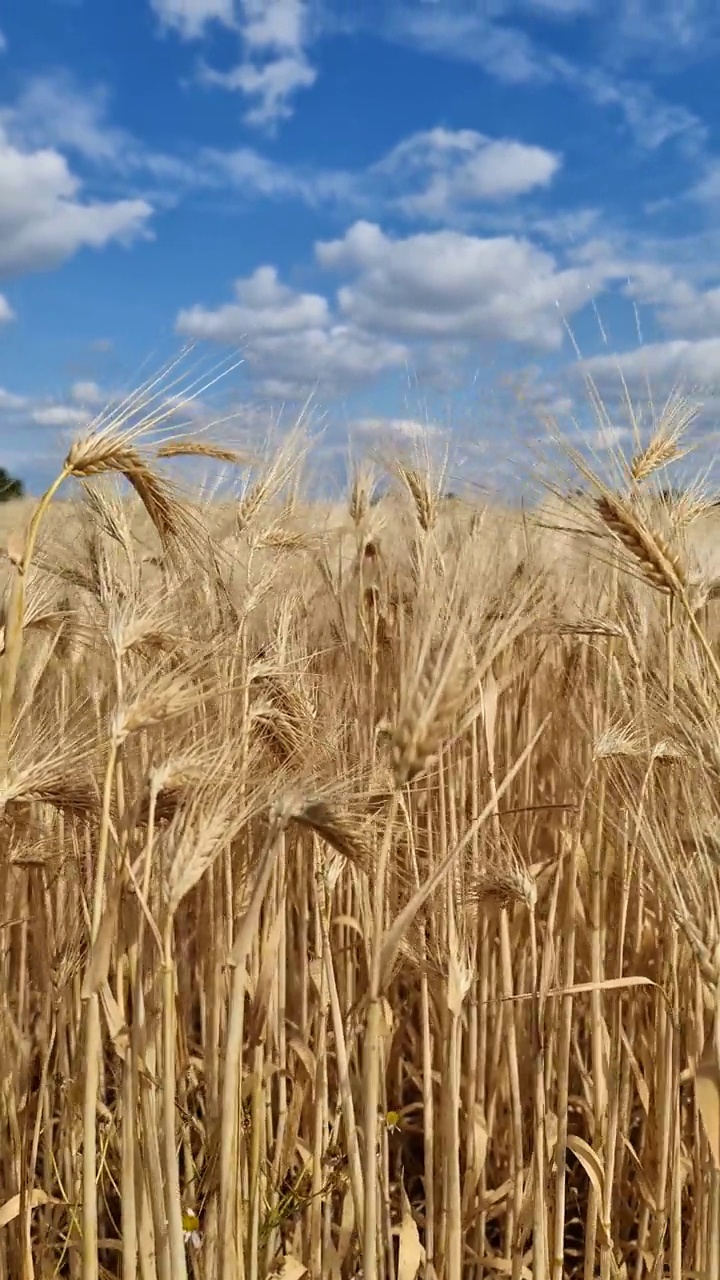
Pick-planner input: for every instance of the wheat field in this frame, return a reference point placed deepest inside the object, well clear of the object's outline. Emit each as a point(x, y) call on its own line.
point(361, 907)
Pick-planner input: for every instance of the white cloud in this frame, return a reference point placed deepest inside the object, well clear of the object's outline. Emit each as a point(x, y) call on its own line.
point(509, 55)
point(291, 340)
point(452, 29)
point(335, 358)
point(608, 437)
point(698, 313)
point(439, 174)
point(6, 312)
point(275, 24)
point(679, 362)
point(463, 167)
point(52, 111)
point(424, 300)
point(707, 189)
point(274, 36)
point(59, 415)
point(567, 228)
point(651, 121)
point(43, 218)
point(10, 403)
point(263, 306)
point(681, 307)
point(663, 27)
point(399, 428)
point(87, 393)
point(272, 84)
point(445, 284)
point(190, 17)
point(436, 175)
point(254, 174)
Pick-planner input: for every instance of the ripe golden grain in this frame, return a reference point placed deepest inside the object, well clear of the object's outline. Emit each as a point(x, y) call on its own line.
point(424, 828)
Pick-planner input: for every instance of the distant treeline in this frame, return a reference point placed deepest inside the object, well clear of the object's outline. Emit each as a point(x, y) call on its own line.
point(10, 487)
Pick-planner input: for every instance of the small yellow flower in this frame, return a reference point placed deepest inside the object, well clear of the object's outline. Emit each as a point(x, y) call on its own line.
point(191, 1228)
point(392, 1121)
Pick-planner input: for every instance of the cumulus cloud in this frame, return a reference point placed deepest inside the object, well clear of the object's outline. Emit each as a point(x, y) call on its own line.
point(291, 339)
point(87, 393)
point(59, 415)
point(438, 175)
point(36, 430)
point(43, 217)
point(434, 175)
point(274, 35)
point(609, 437)
point(695, 313)
point(395, 428)
point(680, 306)
point(11, 403)
point(272, 84)
point(445, 284)
point(190, 17)
point(263, 306)
point(450, 169)
point(425, 299)
point(679, 362)
point(6, 312)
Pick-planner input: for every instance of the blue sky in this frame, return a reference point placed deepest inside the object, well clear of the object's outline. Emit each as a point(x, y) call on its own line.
point(396, 205)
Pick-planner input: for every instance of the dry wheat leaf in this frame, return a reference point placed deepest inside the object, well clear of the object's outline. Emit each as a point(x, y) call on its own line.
point(291, 1268)
point(347, 922)
point(410, 1249)
point(11, 1208)
point(582, 988)
point(304, 1054)
point(590, 1162)
point(117, 1026)
point(347, 1225)
point(707, 1092)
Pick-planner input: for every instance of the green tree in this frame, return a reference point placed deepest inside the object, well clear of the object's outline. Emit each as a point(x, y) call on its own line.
point(9, 486)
